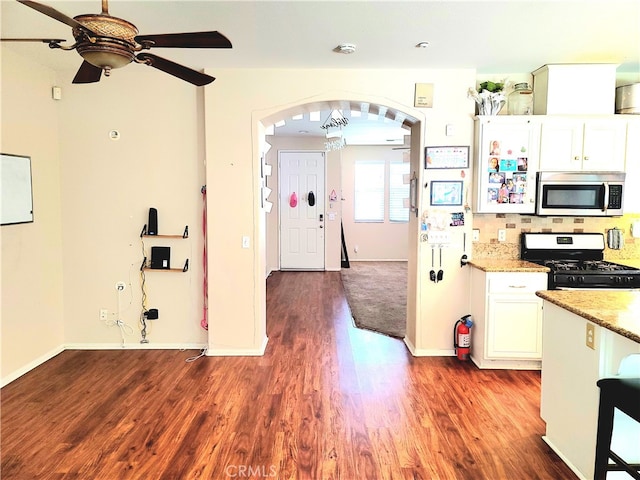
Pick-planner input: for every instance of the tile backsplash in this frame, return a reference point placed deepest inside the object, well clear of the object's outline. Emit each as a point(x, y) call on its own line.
point(514, 224)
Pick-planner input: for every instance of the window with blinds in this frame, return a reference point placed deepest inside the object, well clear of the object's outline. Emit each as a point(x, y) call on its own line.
point(369, 191)
point(398, 191)
point(371, 177)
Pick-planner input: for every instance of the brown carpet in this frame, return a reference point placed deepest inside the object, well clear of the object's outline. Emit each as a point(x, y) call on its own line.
point(377, 296)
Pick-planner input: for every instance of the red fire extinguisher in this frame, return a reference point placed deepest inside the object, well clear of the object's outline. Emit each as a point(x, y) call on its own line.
point(462, 337)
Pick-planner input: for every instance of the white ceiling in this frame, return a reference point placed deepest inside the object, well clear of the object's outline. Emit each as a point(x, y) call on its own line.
point(492, 37)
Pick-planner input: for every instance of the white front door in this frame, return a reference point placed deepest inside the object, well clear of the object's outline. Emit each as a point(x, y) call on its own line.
point(301, 210)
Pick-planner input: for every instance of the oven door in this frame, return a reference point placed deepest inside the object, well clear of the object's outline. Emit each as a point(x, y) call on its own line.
point(600, 289)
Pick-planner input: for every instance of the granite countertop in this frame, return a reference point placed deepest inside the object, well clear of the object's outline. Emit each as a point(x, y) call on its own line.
point(629, 262)
point(506, 265)
point(615, 310)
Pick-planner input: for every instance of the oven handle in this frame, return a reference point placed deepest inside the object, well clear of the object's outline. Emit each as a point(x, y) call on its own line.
point(596, 289)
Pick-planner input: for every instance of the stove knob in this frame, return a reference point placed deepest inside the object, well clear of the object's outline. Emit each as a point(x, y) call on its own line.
point(629, 279)
point(581, 279)
point(617, 279)
point(571, 279)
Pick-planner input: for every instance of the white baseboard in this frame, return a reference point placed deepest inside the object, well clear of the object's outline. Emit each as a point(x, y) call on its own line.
point(31, 365)
point(507, 364)
point(427, 352)
point(377, 260)
point(213, 351)
point(410, 346)
point(135, 346)
point(563, 458)
point(423, 352)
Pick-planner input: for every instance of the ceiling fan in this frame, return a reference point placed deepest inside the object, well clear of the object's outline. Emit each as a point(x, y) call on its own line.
point(106, 42)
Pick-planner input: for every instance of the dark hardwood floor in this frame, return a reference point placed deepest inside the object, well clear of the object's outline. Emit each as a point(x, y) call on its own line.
point(326, 401)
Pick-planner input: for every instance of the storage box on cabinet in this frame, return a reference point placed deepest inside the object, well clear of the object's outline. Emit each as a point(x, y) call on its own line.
point(574, 89)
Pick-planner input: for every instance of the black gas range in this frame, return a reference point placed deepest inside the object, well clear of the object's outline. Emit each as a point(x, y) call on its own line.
point(576, 261)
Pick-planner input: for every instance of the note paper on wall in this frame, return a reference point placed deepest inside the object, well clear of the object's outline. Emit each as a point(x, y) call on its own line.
point(16, 200)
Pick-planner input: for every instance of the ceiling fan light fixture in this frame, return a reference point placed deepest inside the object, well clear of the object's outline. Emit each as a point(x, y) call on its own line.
point(106, 42)
point(105, 56)
point(114, 43)
point(107, 25)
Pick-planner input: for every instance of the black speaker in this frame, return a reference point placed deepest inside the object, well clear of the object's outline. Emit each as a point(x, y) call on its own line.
point(152, 228)
point(160, 257)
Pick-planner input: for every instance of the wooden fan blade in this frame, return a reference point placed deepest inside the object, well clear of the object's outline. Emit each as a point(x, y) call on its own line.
point(43, 40)
point(55, 14)
point(175, 69)
point(87, 73)
point(186, 40)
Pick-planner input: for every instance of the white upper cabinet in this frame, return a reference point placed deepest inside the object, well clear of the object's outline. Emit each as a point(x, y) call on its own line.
point(631, 198)
point(582, 144)
point(505, 163)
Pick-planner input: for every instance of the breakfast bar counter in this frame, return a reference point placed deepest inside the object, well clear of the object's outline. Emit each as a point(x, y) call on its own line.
point(615, 310)
point(586, 335)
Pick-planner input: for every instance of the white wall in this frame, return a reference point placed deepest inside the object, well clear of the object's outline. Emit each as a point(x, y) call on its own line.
point(32, 315)
point(91, 200)
point(373, 241)
point(233, 107)
point(107, 189)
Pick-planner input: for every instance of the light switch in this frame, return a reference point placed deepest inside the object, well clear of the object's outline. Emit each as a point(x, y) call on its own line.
point(245, 241)
point(449, 130)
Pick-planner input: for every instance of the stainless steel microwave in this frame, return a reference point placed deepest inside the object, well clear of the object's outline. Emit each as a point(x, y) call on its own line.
point(580, 194)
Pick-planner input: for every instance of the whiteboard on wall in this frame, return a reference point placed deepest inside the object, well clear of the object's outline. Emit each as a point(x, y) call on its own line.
point(16, 199)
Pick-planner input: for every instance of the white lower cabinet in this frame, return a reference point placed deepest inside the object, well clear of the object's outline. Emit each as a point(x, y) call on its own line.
point(508, 319)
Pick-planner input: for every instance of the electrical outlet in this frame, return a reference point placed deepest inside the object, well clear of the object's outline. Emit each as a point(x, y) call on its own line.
point(121, 286)
point(502, 235)
point(104, 314)
point(475, 236)
point(591, 336)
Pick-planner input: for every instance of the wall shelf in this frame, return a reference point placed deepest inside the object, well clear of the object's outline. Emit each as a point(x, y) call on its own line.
point(144, 233)
point(145, 267)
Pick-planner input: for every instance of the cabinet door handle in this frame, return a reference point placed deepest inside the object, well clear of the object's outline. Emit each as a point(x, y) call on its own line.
point(517, 286)
point(586, 158)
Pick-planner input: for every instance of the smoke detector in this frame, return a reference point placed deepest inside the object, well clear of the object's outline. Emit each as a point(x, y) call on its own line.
point(345, 48)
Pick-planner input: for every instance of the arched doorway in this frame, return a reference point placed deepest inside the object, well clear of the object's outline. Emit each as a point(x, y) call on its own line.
point(410, 119)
